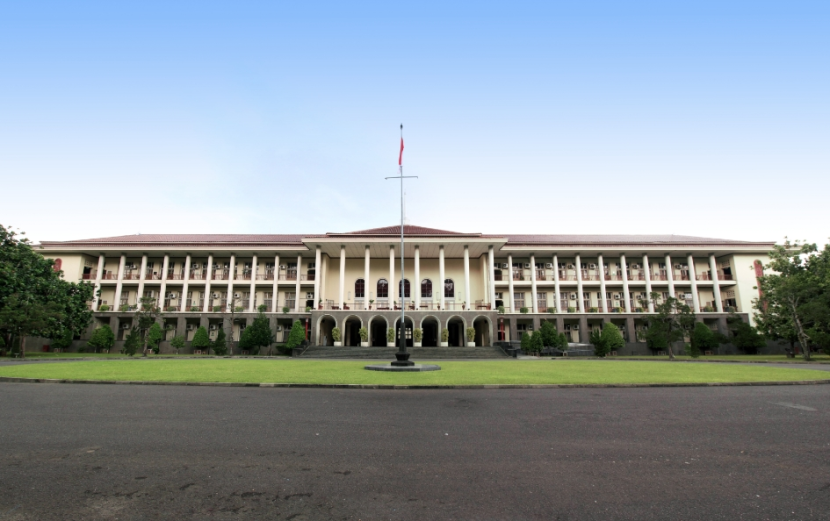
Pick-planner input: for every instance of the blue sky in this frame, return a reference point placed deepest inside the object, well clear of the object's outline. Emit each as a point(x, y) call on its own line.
point(699, 118)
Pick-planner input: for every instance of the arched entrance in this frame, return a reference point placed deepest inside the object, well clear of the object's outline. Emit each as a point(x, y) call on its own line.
point(351, 331)
point(456, 327)
point(408, 332)
point(377, 331)
point(431, 331)
point(482, 326)
point(324, 327)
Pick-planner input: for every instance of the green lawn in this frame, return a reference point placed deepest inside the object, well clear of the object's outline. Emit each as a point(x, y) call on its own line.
point(452, 373)
point(740, 358)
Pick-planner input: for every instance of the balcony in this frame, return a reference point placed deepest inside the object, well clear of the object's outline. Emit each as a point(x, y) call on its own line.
point(565, 275)
point(265, 276)
point(171, 275)
point(194, 305)
point(519, 275)
point(661, 275)
point(613, 276)
point(131, 276)
point(152, 275)
point(498, 276)
point(292, 275)
point(220, 275)
point(540, 275)
point(198, 275)
point(245, 275)
point(587, 275)
point(637, 276)
point(703, 276)
point(89, 276)
point(681, 275)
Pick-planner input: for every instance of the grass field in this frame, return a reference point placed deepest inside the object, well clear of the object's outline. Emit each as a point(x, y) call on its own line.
point(452, 373)
point(740, 358)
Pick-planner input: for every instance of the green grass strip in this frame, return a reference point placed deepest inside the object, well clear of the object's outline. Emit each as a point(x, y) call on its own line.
point(452, 373)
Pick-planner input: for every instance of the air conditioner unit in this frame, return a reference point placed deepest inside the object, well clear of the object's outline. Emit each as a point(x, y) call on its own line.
point(247, 265)
point(549, 265)
point(575, 327)
point(527, 265)
point(662, 265)
point(236, 295)
point(309, 295)
point(583, 266)
point(617, 296)
point(573, 296)
point(635, 266)
point(279, 328)
point(592, 266)
point(125, 326)
point(171, 295)
point(677, 266)
point(214, 327)
point(191, 327)
point(216, 295)
point(685, 266)
point(195, 266)
point(505, 266)
point(283, 267)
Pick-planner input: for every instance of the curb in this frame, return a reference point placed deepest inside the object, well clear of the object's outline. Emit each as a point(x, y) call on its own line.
point(10, 379)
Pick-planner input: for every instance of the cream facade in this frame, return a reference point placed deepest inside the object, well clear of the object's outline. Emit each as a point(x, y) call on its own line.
point(501, 285)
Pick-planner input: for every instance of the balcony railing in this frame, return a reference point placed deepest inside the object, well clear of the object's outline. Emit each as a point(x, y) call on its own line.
point(518, 304)
point(681, 275)
point(540, 275)
point(564, 275)
point(198, 275)
point(519, 275)
point(498, 276)
point(90, 276)
point(637, 276)
point(219, 275)
point(175, 276)
point(131, 276)
point(589, 276)
point(703, 276)
point(265, 276)
point(659, 275)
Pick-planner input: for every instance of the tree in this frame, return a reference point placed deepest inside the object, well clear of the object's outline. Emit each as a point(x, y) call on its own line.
point(154, 336)
point(525, 342)
point(63, 340)
point(201, 339)
point(563, 341)
point(177, 343)
point(702, 339)
point(672, 320)
point(24, 317)
point(550, 337)
point(297, 335)
point(132, 342)
point(42, 302)
point(536, 343)
point(102, 338)
point(794, 301)
point(146, 315)
point(607, 340)
point(258, 334)
point(220, 345)
point(747, 338)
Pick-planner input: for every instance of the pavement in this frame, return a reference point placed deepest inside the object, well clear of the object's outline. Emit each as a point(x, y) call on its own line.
point(90, 452)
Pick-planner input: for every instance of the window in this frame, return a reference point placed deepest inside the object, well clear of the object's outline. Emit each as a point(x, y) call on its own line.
point(359, 288)
point(406, 288)
point(426, 288)
point(449, 288)
point(383, 288)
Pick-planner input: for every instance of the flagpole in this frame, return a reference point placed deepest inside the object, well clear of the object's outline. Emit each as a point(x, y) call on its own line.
point(402, 357)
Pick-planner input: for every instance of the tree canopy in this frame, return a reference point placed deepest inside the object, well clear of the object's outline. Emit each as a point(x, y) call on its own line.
point(297, 335)
point(102, 338)
point(671, 321)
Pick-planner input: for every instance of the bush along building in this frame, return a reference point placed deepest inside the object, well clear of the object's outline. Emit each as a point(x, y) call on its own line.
point(501, 285)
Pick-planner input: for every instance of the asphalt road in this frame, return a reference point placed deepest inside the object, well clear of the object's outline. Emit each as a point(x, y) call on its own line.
point(163, 452)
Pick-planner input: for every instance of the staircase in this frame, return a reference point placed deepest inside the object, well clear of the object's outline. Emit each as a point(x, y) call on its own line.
point(418, 353)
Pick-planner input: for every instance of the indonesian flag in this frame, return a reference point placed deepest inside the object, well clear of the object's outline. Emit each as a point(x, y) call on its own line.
point(400, 157)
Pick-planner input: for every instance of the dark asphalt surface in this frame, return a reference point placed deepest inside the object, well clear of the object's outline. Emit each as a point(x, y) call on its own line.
point(89, 452)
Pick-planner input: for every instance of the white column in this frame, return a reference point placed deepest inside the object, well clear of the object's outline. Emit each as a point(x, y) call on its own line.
point(275, 288)
point(534, 300)
point(647, 269)
point(100, 275)
point(669, 275)
point(367, 260)
point(119, 285)
point(231, 276)
point(318, 273)
point(184, 287)
point(626, 293)
point(603, 301)
point(297, 300)
point(579, 300)
point(483, 259)
point(491, 259)
point(252, 300)
point(141, 276)
point(342, 284)
point(693, 280)
point(556, 283)
point(467, 276)
point(164, 266)
point(324, 277)
point(208, 303)
point(510, 282)
point(713, 266)
point(440, 277)
point(392, 284)
point(417, 287)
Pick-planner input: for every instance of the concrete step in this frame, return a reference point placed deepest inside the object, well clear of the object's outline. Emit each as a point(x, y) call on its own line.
point(422, 353)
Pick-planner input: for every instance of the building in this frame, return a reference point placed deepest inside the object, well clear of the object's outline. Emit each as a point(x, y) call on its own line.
point(501, 285)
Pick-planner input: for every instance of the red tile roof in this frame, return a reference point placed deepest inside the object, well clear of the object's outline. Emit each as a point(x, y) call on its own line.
point(513, 239)
point(189, 238)
point(408, 229)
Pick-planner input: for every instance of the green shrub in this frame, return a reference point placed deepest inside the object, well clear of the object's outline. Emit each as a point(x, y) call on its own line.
point(103, 307)
point(286, 309)
point(702, 339)
point(335, 334)
point(364, 334)
point(201, 339)
point(194, 308)
point(550, 337)
point(64, 340)
point(170, 308)
point(523, 310)
point(445, 335)
point(220, 345)
point(102, 338)
point(262, 308)
point(154, 336)
point(608, 339)
point(526, 341)
point(132, 342)
point(501, 310)
point(239, 309)
point(592, 310)
point(747, 338)
point(471, 334)
point(217, 309)
point(417, 334)
point(124, 307)
point(390, 334)
point(297, 335)
point(536, 342)
point(571, 310)
point(177, 343)
point(308, 309)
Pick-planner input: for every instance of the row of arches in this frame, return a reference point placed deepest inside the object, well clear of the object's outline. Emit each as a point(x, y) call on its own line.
point(377, 327)
point(382, 289)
